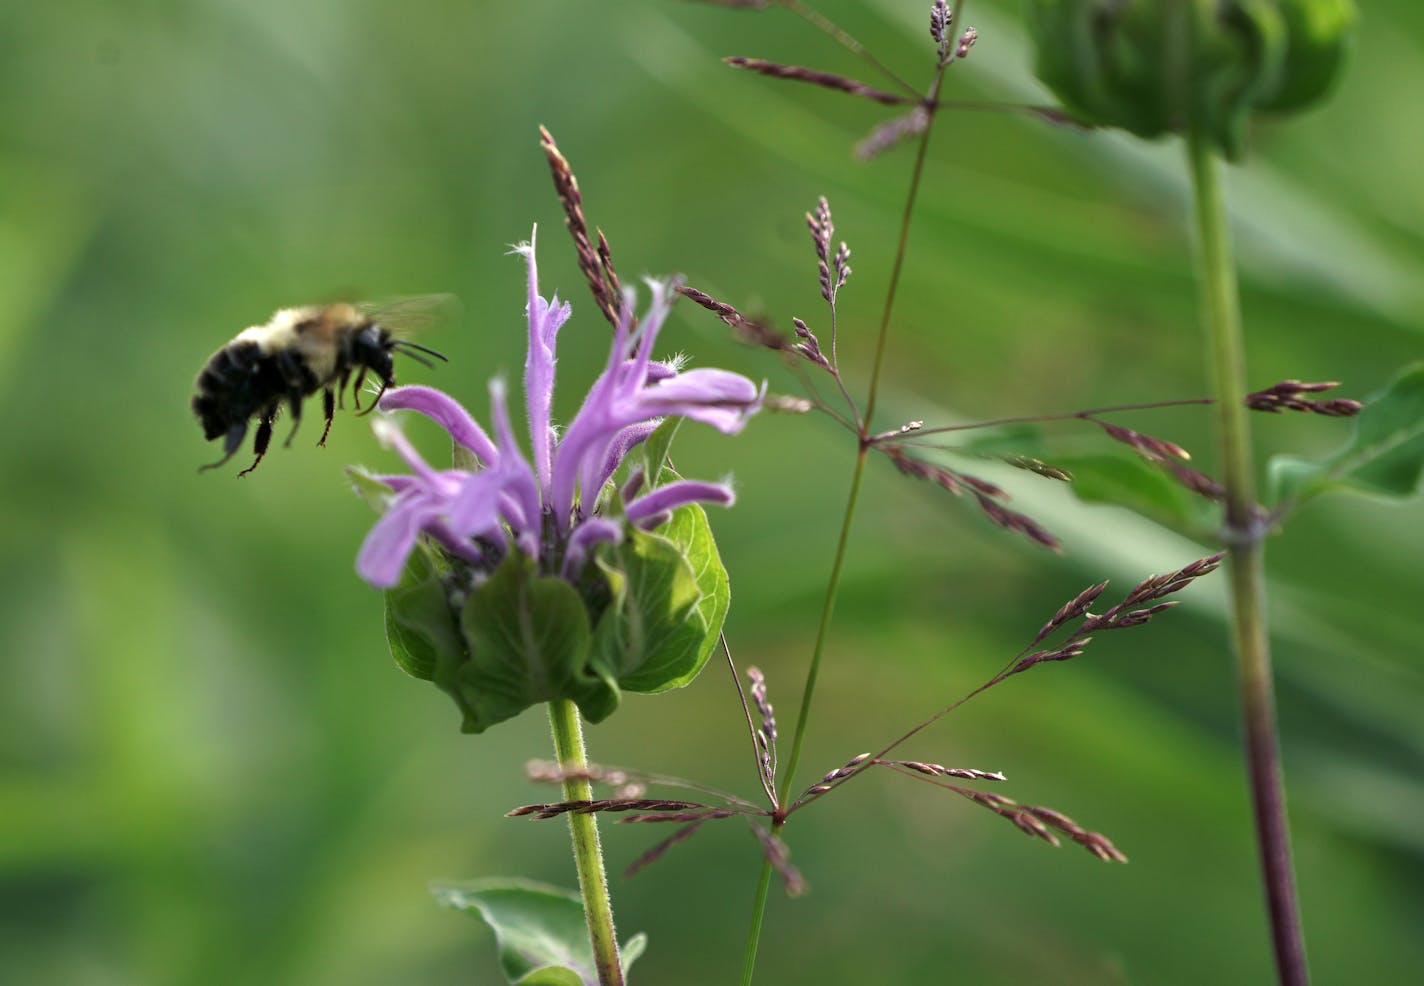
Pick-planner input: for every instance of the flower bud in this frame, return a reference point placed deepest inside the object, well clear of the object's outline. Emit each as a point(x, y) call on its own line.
point(1161, 66)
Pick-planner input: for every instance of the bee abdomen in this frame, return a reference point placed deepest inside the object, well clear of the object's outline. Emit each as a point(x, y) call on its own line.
point(235, 384)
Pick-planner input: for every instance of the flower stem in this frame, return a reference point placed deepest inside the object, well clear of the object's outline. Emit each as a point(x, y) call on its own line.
point(588, 855)
point(1244, 532)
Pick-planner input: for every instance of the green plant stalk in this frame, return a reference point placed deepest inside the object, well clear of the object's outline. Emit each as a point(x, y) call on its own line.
point(1244, 533)
point(833, 583)
point(588, 854)
point(822, 633)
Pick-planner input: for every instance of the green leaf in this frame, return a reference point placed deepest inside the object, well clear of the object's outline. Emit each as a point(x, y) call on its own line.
point(528, 638)
point(1385, 455)
point(1001, 440)
point(1132, 482)
point(690, 531)
point(374, 493)
point(655, 449)
point(1319, 34)
point(669, 597)
point(540, 930)
point(420, 628)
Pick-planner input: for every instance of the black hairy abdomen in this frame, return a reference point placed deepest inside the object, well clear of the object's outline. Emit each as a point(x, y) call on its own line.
point(238, 382)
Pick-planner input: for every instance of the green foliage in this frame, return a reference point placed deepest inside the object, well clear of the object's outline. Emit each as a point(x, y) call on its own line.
point(1131, 481)
point(542, 936)
point(645, 622)
point(1154, 68)
point(1384, 456)
point(420, 629)
point(669, 598)
point(528, 640)
point(655, 449)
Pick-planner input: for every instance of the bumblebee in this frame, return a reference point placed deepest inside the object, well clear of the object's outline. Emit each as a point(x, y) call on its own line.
point(298, 352)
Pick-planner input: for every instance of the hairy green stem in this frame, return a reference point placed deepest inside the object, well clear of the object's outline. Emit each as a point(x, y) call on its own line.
point(588, 855)
point(1244, 531)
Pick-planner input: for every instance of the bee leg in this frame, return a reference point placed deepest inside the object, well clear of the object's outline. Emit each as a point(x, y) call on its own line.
point(294, 401)
point(263, 438)
point(341, 388)
point(328, 406)
point(356, 389)
point(234, 438)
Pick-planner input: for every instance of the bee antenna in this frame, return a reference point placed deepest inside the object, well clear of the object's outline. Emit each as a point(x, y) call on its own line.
point(405, 346)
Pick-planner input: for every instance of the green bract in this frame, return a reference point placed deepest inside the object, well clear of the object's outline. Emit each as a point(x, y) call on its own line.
point(644, 618)
point(1168, 66)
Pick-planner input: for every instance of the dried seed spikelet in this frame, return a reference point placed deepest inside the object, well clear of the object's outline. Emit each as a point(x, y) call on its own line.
point(657, 851)
point(601, 281)
point(939, 770)
point(821, 226)
point(1038, 466)
point(1155, 449)
point(1071, 610)
point(1286, 396)
point(1149, 590)
point(1095, 842)
point(850, 767)
point(759, 696)
point(748, 330)
point(1012, 520)
point(890, 133)
point(810, 346)
point(940, 18)
point(984, 493)
point(827, 80)
point(785, 403)
point(779, 856)
point(1074, 648)
point(966, 41)
point(602, 805)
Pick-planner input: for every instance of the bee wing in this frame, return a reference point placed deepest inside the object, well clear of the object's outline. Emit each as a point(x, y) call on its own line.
point(408, 315)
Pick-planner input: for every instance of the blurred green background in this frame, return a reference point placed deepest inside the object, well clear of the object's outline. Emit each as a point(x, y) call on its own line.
point(212, 771)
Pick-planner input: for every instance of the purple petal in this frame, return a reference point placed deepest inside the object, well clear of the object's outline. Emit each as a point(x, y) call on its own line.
point(391, 541)
point(652, 321)
point(448, 412)
point(594, 530)
point(390, 435)
point(455, 544)
point(545, 319)
point(664, 499)
point(474, 510)
point(584, 440)
point(719, 398)
point(618, 448)
point(515, 476)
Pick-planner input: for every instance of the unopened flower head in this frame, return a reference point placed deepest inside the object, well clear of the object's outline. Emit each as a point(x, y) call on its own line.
point(549, 509)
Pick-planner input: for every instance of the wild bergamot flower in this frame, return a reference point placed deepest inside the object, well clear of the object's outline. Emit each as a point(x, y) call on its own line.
point(513, 604)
